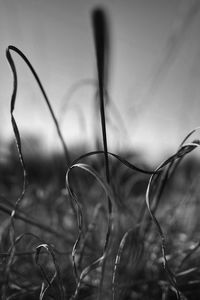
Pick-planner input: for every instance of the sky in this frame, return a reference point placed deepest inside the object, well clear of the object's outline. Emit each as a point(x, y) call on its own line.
point(154, 72)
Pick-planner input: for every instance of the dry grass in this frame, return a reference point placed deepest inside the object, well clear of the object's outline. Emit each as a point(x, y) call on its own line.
point(100, 226)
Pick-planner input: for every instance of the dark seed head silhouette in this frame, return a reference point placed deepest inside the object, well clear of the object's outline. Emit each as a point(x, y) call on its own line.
point(101, 39)
point(100, 28)
point(101, 44)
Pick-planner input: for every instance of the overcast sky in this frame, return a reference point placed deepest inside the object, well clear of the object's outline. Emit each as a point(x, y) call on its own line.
point(154, 76)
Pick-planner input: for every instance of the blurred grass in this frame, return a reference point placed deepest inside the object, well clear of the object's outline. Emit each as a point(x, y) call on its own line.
point(139, 273)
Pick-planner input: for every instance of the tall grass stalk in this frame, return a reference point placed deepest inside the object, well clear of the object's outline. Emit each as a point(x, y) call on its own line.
point(101, 39)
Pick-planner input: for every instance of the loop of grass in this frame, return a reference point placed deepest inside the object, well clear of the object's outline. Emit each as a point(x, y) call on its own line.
point(79, 213)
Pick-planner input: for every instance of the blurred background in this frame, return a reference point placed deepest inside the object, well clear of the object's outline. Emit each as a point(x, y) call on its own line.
point(154, 73)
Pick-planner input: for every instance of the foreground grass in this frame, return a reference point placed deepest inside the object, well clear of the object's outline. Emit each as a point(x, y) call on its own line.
point(46, 230)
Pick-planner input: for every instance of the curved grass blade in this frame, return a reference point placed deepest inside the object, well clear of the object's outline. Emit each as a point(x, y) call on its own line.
point(20, 237)
point(182, 143)
point(188, 135)
point(164, 175)
point(57, 274)
point(13, 100)
point(11, 255)
point(91, 171)
point(163, 243)
point(172, 166)
point(17, 134)
point(183, 150)
point(25, 182)
point(97, 263)
point(79, 215)
point(89, 230)
point(16, 131)
point(137, 253)
point(79, 212)
point(118, 157)
point(117, 261)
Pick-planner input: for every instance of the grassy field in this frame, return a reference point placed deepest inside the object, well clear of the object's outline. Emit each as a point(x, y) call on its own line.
point(55, 244)
point(97, 225)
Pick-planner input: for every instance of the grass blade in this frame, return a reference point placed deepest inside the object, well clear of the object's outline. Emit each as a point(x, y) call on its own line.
point(11, 62)
point(118, 157)
point(101, 39)
point(183, 150)
point(79, 213)
point(59, 289)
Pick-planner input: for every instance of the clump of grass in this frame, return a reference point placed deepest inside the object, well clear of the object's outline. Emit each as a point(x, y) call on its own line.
point(97, 237)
